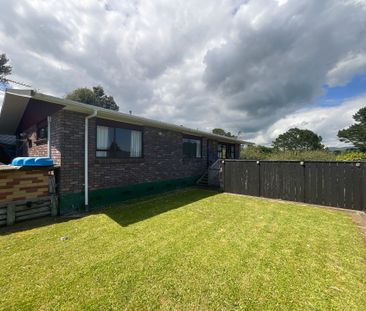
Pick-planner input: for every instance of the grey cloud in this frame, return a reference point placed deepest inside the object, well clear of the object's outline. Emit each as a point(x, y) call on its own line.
point(241, 65)
point(280, 63)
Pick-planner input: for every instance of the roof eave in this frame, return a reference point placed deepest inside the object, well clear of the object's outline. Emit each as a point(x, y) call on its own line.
point(119, 116)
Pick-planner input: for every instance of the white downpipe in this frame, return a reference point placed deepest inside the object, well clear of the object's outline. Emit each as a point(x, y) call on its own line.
point(49, 137)
point(86, 160)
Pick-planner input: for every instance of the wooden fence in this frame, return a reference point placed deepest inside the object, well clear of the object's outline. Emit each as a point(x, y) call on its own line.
point(338, 184)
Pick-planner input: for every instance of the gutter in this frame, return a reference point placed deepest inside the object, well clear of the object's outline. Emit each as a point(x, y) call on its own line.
point(121, 117)
point(49, 137)
point(86, 160)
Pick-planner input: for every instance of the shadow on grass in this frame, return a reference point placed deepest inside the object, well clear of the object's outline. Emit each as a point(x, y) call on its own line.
point(32, 224)
point(140, 210)
point(125, 213)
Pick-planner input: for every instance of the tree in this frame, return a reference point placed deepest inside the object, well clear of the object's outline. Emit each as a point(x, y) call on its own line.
point(256, 152)
point(222, 132)
point(296, 139)
point(104, 100)
point(83, 95)
point(5, 69)
point(94, 96)
point(356, 133)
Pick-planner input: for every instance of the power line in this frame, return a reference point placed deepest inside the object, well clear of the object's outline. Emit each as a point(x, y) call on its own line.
point(16, 82)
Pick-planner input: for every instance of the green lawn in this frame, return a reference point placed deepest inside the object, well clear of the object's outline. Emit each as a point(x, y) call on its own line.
point(191, 250)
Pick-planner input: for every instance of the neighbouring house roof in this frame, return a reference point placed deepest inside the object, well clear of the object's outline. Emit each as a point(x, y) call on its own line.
point(16, 102)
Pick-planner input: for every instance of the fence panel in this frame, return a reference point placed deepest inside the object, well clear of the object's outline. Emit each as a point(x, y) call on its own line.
point(282, 180)
point(338, 184)
point(243, 177)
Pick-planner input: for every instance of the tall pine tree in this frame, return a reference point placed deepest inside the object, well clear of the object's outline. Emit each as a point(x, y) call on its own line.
point(356, 133)
point(5, 69)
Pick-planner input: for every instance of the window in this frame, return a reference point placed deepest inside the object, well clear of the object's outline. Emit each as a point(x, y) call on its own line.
point(42, 129)
point(230, 152)
point(221, 151)
point(192, 147)
point(118, 142)
point(226, 151)
point(105, 136)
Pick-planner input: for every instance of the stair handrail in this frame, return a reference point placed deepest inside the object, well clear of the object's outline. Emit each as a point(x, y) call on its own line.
point(215, 165)
point(214, 168)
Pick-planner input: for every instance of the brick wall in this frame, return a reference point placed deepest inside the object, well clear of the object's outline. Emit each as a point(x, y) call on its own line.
point(72, 155)
point(237, 151)
point(23, 184)
point(162, 159)
point(38, 148)
point(212, 147)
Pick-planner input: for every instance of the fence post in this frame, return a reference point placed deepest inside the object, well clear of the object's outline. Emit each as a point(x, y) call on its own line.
point(259, 178)
point(223, 178)
point(302, 163)
point(10, 214)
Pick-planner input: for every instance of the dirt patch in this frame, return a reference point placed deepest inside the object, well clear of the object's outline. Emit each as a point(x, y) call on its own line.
point(359, 219)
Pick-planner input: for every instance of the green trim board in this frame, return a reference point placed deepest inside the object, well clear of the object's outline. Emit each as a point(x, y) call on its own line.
point(74, 202)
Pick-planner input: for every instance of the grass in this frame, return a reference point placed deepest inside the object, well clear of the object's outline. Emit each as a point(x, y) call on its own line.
point(192, 250)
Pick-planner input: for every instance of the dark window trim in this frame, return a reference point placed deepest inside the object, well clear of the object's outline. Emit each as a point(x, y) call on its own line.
point(39, 126)
point(114, 155)
point(116, 124)
point(195, 138)
point(226, 146)
point(192, 137)
point(104, 160)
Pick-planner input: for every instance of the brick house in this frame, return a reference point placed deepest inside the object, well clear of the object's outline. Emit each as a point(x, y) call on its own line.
point(127, 156)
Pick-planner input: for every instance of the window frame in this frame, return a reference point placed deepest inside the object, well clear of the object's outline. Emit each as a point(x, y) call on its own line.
point(185, 156)
point(117, 125)
point(41, 125)
point(227, 147)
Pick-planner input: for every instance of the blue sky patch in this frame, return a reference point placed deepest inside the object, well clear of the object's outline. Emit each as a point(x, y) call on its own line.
point(333, 96)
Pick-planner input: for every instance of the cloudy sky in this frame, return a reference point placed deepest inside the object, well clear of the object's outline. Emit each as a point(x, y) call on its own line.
point(254, 66)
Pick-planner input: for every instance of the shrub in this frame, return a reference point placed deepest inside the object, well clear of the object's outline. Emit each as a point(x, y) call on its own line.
point(352, 156)
point(315, 155)
point(265, 153)
point(255, 153)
